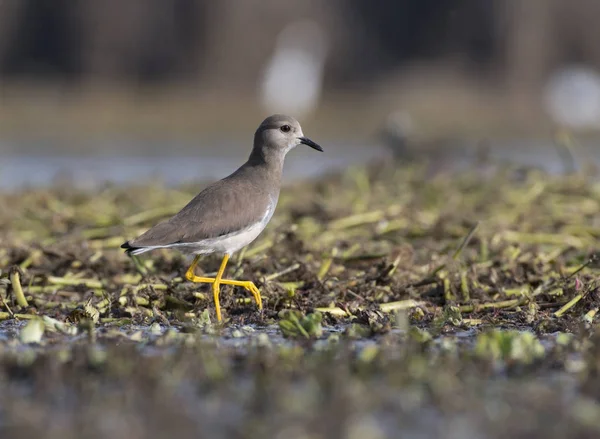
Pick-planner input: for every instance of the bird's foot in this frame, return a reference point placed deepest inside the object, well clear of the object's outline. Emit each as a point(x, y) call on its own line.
point(248, 285)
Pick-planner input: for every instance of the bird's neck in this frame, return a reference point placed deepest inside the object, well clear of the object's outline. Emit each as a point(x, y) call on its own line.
point(267, 167)
point(263, 157)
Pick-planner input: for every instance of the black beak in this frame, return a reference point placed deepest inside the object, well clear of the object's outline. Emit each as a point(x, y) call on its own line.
point(313, 145)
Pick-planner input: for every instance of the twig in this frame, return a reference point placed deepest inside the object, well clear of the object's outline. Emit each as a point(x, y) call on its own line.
point(465, 241)
point(287, 270)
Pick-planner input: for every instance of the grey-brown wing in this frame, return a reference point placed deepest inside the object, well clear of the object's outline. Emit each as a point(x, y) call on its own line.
point(221, 208)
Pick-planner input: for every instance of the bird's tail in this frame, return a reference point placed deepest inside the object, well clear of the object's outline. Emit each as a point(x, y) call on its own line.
point(132, 250)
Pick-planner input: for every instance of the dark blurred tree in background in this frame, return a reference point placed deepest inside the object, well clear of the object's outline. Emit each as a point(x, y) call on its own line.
point(200, 41)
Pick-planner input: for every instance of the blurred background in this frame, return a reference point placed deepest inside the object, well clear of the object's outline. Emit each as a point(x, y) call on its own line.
point(175, 89)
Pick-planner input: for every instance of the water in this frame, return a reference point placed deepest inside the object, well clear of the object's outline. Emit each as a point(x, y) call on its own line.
point(181, 164)
point(127, 161)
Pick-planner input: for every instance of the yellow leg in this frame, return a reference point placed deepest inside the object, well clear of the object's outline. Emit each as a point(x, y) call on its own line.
point(216, 285)
point(189, 274)
point(248, 285)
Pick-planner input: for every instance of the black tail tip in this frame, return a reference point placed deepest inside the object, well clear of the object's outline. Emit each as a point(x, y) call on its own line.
point(128, 248)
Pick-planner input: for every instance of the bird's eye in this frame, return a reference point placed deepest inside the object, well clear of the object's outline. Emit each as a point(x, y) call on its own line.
point(286, 128)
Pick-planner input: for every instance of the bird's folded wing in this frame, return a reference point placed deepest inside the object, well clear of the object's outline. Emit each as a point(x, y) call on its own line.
point(222, 208)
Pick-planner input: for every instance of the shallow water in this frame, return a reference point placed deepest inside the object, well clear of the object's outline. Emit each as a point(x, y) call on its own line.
point(181, 165)
point(134, 160)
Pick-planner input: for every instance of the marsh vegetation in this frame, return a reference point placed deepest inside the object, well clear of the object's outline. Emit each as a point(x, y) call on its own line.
point(395, 300)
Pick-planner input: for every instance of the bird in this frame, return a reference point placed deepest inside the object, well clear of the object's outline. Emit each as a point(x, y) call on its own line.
point(230, 213)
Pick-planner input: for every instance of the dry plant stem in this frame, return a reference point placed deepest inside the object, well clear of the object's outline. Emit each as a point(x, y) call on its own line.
point(465, 241)
point(567, 306)
point(285, 271)
point(591, 260)
point(384, 307)
point(15, 280)
point(7, 315)
point(324, 267)
point(62, 281)
point(504, 304)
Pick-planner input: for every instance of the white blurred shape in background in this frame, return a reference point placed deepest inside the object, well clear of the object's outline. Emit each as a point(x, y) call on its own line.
point(293, 77)
point(572, 97)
